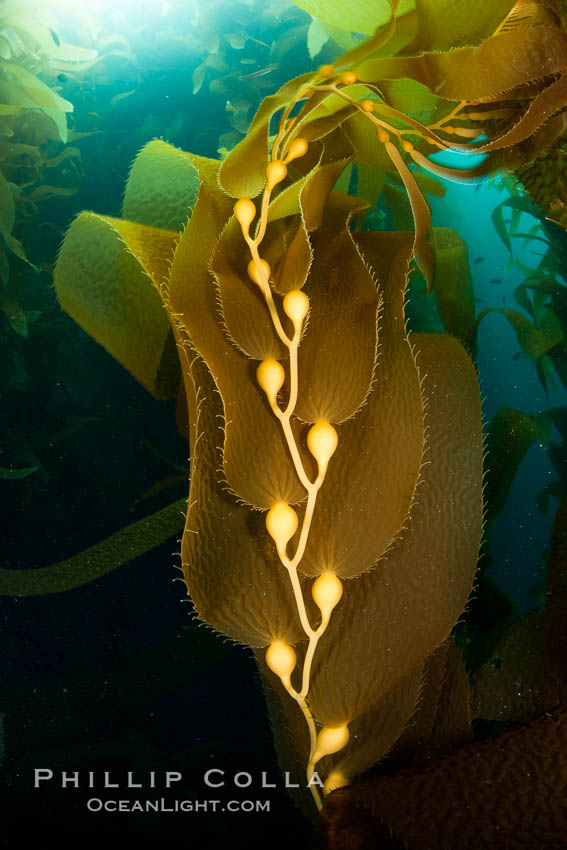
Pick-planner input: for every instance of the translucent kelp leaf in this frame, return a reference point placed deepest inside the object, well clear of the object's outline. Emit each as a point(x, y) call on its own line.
point(411, 97)
point(524, 153)
point(162, 187)
point(389, 39)
point(231, 569)
point(13, 150)
point(243, 307)
point(237, 39)
point(510, 435)
point(16, 475)
point(442, 720)
point(317, 37)
point(429, 184)
point(446, 24)
point(334, 103)
point(243, 172)
point(371, 481)
point(345, 39)
point(7, 207)
point(292, 268)
point(503, 62)
point(320, 182)
point(413, 597)
point(535, 340)
point(453, 286)
point(9, 110)
point(307, 196)
point(35, 34)
point(548, 101)
point(317, 127)
point(335, 364)
point(199, 77)
point(20, 87)
point(45, 191)
point(41, 125)
point(14, 312)
point(361, 133)
point(253, 435)
point(420, 211)
point(362, 16)
point(513, 690)
point(4, 265)
point(373, 733)
point(107, 277)
point(97, 560)
point(288, 201)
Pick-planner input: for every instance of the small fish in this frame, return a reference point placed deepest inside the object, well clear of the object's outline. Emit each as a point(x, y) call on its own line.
point(257, 41)
point(95, 115)
point(62, 78)
point(479, 300)
point(55, 38)
point(479, 260)
point(495, 280)
point(261, 73)
point(517, 355)
point(247, 61)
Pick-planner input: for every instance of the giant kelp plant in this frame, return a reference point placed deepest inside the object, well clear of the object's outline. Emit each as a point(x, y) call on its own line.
point(335, 505)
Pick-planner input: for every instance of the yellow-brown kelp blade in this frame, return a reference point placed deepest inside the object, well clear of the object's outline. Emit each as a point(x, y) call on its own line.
point(493, 68)
point(244, 314)
point(291, 270)
point(336, 364)
point(442, 719)
point(415, 594)
point(162, 186)
point(380, 728)
point(358, 16)
point(446, 24)
point(380, 451)
point(230, 566)
point(108, 277)
point(453, 286)
point(243, 173)
point(253, 435)
point(310, 194)
point(534, 338)
point(514, 691)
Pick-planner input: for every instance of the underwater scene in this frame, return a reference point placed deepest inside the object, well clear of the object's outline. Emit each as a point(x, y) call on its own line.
point(283, 423)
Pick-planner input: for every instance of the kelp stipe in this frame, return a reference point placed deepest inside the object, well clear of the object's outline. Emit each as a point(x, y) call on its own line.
point(335, 509)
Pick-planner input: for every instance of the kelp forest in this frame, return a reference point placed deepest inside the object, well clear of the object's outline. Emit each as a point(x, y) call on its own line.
point(283, 315)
